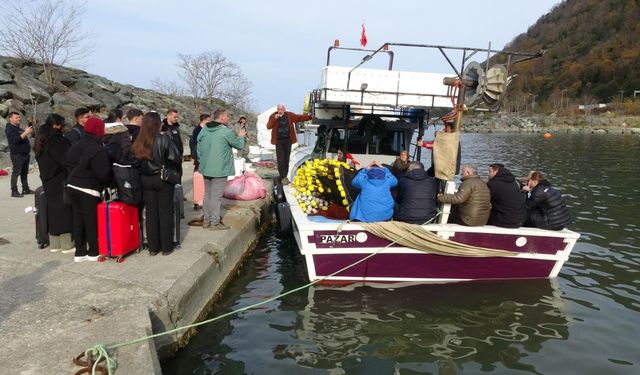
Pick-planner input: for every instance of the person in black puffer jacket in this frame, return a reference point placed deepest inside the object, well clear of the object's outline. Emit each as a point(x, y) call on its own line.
point(90, 171)
point(507, 201)
point(155, 150)
point(416, 199)
point(546, 208)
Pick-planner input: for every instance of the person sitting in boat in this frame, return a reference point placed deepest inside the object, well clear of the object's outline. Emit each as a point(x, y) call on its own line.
point(524, 184)
point(546, 208)
point(507, 201)
point(472, 200)
point(416, 199)
point(400, 166)
point(374, 203)
point(347, 158)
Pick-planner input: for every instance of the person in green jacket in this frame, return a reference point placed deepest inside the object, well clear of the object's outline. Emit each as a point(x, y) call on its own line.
point(216, 163)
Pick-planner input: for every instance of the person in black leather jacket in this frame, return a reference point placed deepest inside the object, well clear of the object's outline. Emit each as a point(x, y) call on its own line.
point(171, 126)
point(546, 208)
point(90, 171)
point(155, 150)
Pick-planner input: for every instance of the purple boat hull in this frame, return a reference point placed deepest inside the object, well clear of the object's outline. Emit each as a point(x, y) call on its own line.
point(539, 254)
point(431, 266)
point(333, 250)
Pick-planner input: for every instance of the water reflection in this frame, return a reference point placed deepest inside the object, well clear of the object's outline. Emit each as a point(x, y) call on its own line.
point(364, 330)
point(346, 330)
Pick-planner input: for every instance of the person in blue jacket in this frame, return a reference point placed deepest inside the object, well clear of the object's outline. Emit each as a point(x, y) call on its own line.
point(374, 203)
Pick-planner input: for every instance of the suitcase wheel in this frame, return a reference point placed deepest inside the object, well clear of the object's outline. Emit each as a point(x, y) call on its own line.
point(119, 259)
point(102, 259)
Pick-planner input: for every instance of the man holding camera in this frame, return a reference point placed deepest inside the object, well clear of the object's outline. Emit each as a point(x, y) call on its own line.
point(19, 149)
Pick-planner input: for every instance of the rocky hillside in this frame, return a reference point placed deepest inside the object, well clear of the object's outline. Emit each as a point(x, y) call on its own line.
point(593, 49)
point(23, 89)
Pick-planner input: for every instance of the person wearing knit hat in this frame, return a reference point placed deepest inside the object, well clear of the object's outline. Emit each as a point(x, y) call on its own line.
point(90, 172)
point(374, 203)
point(95, 127)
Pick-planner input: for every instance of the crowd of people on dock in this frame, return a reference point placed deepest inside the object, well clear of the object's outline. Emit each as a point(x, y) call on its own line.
point(78, 167)
point(502, 201)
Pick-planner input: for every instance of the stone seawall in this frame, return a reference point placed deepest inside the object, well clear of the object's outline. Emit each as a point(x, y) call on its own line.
point(601, 124)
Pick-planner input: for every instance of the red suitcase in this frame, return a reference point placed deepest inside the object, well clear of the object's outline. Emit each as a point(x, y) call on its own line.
point(118, 230)
point(198, 190)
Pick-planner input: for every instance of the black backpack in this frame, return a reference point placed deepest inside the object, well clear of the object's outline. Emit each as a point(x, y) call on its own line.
point(127, 181)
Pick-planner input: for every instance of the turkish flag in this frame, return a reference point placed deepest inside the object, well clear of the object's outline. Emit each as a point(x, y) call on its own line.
point(363, 37)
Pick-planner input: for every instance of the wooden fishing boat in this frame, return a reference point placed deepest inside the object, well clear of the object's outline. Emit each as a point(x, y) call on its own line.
point(373, 114)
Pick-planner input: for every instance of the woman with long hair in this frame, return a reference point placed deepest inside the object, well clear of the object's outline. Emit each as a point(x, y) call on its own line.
point(50, 149)
point(155, 152)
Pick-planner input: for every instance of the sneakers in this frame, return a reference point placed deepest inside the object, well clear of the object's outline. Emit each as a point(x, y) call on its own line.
point(27, 191)
point(285, 181)
point(67, 251)
point(219, 226)
point(86, 258)
point(15, 194)
point(206, 225)
point(56, 250)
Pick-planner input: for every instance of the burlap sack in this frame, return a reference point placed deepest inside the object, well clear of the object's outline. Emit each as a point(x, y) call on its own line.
point(445, 155)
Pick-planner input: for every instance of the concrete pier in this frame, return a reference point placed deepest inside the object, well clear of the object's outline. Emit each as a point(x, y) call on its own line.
point(52, 309)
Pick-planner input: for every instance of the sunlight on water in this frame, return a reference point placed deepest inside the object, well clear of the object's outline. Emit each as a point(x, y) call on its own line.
point(589, 312)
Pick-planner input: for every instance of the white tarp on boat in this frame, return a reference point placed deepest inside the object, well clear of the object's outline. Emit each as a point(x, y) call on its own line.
point(264, 134)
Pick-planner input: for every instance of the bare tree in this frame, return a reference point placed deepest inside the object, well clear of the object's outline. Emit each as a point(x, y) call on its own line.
point(237, 92)
point(168, 87)
point(206, 74)
point(46, 31)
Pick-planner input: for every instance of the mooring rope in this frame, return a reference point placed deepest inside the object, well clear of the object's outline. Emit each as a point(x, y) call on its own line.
point(102, 351)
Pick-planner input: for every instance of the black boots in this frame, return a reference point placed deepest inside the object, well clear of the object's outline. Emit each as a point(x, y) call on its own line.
point(25, 191)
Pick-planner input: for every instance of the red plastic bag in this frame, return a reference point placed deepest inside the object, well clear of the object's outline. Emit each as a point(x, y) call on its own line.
point(247, 187)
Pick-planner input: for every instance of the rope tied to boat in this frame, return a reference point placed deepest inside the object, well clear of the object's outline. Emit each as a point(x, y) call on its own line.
point(102, 351)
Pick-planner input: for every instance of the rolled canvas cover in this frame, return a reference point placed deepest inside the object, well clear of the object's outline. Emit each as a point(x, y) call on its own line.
point(264, 134)
point(445, 155)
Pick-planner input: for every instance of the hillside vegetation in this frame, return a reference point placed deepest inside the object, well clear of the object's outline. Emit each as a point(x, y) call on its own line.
point(592, 53)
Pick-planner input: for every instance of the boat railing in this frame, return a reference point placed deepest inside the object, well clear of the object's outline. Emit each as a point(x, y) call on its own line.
point(449, 188)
